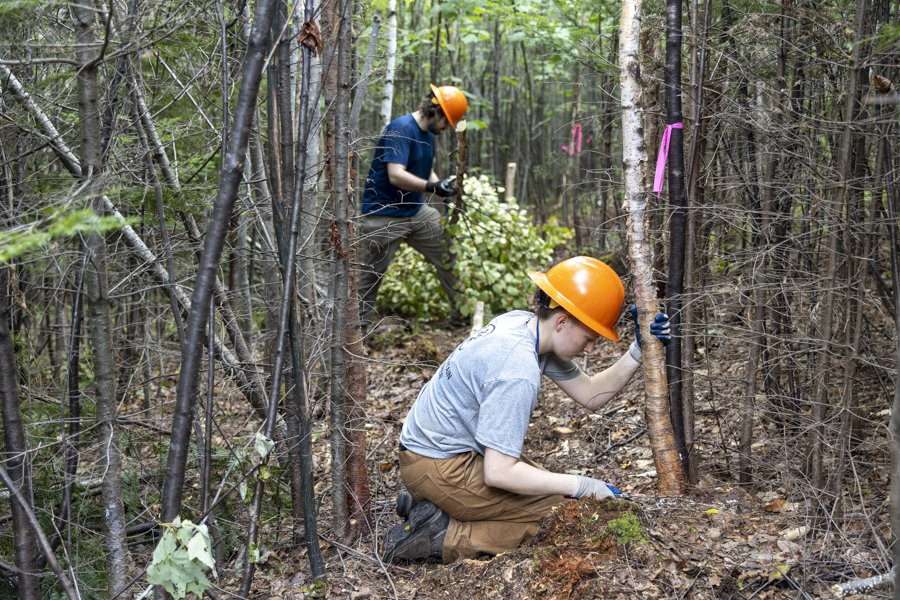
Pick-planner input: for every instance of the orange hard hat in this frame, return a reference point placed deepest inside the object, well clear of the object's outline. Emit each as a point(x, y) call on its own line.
point(588, 289)
point(452, 101)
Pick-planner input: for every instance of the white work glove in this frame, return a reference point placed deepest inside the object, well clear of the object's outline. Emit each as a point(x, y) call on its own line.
point(590, 487)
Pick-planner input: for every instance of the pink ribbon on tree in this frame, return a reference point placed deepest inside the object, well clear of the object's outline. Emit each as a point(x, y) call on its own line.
point(574, 147)
point(663, 156)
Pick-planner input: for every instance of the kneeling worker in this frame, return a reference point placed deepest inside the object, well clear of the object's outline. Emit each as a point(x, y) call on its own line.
point(470, 490)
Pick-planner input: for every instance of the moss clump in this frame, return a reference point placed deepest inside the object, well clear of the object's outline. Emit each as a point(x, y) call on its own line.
point(626, 529)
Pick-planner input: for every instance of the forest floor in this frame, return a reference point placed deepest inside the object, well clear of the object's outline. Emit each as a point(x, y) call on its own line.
point(721, 541)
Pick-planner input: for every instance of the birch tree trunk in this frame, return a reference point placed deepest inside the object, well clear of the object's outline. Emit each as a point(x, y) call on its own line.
point(634, 159)
point(387, 98)
point(99, 308)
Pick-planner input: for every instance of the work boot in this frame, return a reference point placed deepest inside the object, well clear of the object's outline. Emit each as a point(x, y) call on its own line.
point(405, 502)
point(420, 537)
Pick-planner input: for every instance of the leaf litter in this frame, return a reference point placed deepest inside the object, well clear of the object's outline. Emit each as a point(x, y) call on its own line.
point(720, 541)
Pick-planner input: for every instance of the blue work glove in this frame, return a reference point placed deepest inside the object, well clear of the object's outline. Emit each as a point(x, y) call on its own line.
point(660, 327)
point(615, 491)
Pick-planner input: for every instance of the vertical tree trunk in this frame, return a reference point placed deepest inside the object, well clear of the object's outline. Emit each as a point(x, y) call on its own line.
point(893, 204)
point(73, 400)
point(358, 492)
point(833, 225)
point(678, 205)
point(496, 129)
point(387, 98)
point(99, 308)
point(15, 449)
point(341, 406)
point(761, 188)
point(232, 171)
point(634, 158)
point(700, 28)
point(308, 134)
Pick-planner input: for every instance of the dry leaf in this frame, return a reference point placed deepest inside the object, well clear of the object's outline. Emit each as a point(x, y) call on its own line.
point(563, 430)
point(775, 506)
point(311, 37)
point(795, 533)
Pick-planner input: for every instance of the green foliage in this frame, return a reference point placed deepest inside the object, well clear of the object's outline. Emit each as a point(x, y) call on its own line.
point(627, 529)
point(182, 559)
point(18, 7)
point(888, 37)
point(58, 224)
point(495, 244)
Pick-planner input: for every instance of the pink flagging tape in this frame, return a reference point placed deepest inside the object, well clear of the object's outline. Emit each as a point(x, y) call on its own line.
point(663, 156)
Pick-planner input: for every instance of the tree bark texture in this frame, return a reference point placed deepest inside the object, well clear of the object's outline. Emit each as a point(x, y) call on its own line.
point(678, 207)
point(634, 158)
point(338, 80)
point(232, 171)
point(15, 449)
point(99, 309)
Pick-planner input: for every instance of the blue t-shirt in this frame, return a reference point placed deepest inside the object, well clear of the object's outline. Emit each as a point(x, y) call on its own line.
point(402, 142)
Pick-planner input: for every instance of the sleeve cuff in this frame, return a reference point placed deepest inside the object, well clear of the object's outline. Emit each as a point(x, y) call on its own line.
point(635, 351)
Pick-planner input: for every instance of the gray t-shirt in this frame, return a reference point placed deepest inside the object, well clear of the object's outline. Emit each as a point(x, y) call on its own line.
point(483, 394)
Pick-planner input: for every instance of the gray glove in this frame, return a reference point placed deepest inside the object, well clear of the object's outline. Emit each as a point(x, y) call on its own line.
point(588, 486)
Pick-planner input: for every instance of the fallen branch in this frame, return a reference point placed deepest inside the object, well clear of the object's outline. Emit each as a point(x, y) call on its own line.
point(862, 585)
point(624, 442)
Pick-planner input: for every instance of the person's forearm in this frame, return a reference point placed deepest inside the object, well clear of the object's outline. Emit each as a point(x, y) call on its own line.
point(406, 181)
point(522, 478)
point(606, 384)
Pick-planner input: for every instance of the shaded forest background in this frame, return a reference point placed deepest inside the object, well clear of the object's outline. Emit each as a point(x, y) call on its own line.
point(126, 127)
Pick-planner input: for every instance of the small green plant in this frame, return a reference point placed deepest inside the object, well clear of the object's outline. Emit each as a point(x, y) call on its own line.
point(182, 559)
point(626, 529)
point(495, 244)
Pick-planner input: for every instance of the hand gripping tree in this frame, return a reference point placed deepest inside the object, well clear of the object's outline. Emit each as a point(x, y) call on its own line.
point(634, 159)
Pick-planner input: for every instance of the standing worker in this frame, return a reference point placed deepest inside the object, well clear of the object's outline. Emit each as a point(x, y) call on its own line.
point(393, 205)
point(470, 489)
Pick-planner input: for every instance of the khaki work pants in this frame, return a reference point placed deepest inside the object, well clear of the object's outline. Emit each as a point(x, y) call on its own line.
point(483, 519)
point(381, 236)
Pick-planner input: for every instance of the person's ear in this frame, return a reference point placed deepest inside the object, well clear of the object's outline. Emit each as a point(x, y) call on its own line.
point(560, 321)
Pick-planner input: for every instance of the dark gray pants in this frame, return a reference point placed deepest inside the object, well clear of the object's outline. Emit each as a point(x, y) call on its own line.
point(381, 236)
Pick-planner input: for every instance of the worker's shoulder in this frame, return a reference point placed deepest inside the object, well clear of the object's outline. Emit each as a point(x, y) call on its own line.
point(505, 345)
point(403, 124)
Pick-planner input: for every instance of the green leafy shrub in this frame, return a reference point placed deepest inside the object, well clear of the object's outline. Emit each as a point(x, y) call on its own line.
point(495, 244)
point(182, 559)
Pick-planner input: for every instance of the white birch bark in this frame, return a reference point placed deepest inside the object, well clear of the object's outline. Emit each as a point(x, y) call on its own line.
point(634, 165)
point(387, 99)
